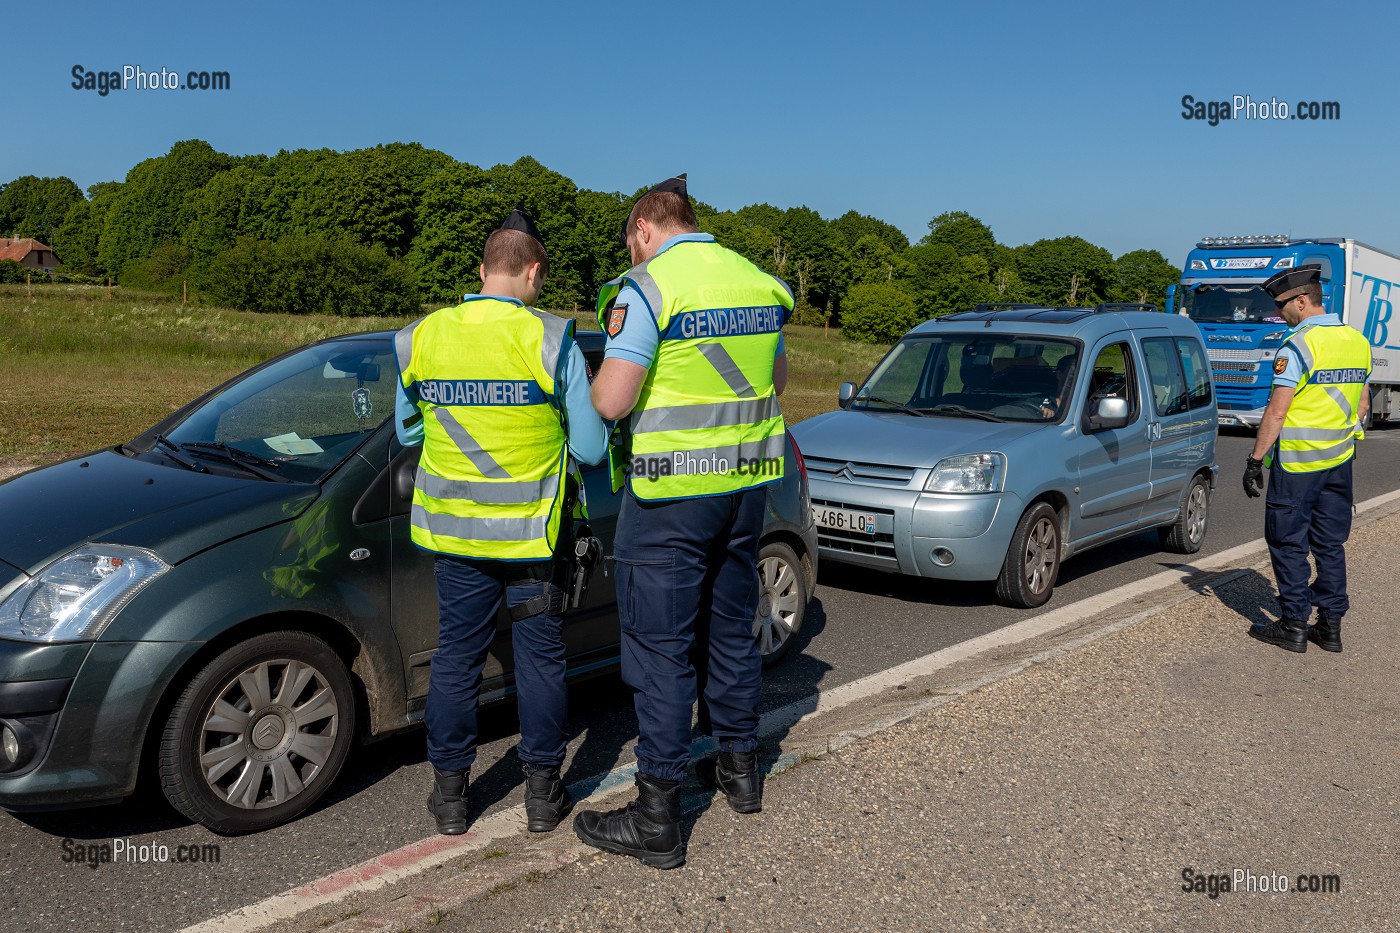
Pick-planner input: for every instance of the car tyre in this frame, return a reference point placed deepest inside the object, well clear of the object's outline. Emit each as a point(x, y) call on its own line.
point(259, 734)
point(1188, 532)
point(782, 601)
point(1033, 560)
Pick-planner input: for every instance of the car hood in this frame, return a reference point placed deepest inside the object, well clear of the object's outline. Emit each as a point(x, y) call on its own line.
point(113, 499)
point(899, 439)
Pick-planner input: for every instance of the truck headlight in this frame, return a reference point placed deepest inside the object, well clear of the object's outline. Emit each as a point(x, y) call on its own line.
point(75, 597)
point(968, 473)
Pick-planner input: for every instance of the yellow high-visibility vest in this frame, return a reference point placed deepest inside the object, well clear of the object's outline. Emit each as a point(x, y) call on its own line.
point(1323, 420)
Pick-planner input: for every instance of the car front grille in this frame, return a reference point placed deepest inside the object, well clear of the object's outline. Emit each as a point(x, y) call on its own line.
point(851, 471)
point(855, 542)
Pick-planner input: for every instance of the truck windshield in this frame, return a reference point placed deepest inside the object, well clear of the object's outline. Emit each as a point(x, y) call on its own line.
point(1229, 304)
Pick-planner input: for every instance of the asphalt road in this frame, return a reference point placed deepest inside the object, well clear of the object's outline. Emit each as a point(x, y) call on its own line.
point(858, 624)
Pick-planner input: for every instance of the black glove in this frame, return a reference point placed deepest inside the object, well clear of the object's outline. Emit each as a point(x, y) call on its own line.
point(1253, 477)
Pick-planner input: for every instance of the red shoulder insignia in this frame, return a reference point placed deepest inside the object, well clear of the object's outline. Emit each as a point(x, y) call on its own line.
point(616, 318)
point(1280, 364)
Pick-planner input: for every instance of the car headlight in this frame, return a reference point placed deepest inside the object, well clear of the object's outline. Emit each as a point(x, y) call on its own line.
point(75, 597)
point(968, 473)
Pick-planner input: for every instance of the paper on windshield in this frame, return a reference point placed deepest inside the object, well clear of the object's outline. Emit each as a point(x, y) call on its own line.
point(293, 444)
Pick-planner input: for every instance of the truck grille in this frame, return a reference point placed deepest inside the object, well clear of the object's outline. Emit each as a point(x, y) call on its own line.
point(1249, 355)
point(1233, 379)
point(870, 474)
point(1236, 367)
point(855, 542)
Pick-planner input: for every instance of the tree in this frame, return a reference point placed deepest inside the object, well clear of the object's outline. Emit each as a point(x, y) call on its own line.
point(1143, 276)
point(877, 313)
point(36, 207)
point(967, 235)
point(1050, 269)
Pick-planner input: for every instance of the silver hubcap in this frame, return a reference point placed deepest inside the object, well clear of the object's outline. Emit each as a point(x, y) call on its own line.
point(268, 733)
point(776, 619)
point(1196, 513)
point(1042, 550)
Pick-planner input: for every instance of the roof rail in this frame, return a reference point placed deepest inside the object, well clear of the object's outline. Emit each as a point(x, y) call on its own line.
point(1126, 306)
point(1006, 305)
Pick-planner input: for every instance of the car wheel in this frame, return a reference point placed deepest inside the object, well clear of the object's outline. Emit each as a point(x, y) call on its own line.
point(259, 734)
point(782, 601)
point(1188, 532)
point(1033, 560)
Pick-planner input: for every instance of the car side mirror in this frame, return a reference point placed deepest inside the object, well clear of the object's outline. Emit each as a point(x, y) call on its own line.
point(1109, 413)
point(403, 470)
point(845, 394)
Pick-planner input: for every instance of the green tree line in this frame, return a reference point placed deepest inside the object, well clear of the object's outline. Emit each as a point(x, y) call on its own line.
point(384, 230)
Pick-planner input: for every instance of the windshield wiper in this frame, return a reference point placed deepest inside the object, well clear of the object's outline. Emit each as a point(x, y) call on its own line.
point(962, 412)
point(889, 401)
point(174, 453)
point(241, 458)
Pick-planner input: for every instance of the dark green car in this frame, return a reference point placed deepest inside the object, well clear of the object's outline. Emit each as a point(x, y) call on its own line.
point(233, 596)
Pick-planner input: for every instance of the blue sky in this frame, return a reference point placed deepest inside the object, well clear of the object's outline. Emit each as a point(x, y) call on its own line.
point(1042, 119)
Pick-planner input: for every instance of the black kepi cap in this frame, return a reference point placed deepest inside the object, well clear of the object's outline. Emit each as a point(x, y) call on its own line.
point(1289, 283)
point(519, 219)
point(675, 185)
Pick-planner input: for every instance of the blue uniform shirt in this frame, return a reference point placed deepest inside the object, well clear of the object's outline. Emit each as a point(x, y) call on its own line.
point(588, 438)
point(1293, 367)
point(640, 336)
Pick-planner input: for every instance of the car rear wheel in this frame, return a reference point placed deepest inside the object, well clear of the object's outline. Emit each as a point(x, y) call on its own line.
point(1033, 560)
point(259, 734)
point(782, 601)
point(1188, 532)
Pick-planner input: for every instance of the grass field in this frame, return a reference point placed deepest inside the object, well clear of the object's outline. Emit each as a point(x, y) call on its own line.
point(82, 371)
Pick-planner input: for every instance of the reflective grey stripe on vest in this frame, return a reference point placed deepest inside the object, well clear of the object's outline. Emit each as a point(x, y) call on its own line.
point(485, 464)
point(1300, 347)
point(505, 493)
point(706, 460)
point(1317, 434)
point(403, 346)
point(480, 529)
point(1340, 397)
point(555, 329)
point(643, 282)
point(1312, 456)
point(717, 415)
point(728, 370)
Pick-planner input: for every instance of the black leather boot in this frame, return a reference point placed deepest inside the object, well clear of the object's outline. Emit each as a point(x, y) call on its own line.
point(547, 800)
point(735, 773)
point(1288, 634)
point(448, 801)
point(1327, 633)
point(648, 828)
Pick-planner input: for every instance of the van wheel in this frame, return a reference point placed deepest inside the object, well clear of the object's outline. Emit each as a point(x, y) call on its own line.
point(782, 601)
point(259, 734)
point(1033, 560)
point(1188, 532)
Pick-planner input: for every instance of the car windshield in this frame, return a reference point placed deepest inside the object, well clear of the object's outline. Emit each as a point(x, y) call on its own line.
point(993, 377)
point(302, 414)
point(1228, 304)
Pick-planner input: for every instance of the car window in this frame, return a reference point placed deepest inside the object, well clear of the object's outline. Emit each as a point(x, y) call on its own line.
point(1113, 376)
point(1193, 361)
point(1169, 393)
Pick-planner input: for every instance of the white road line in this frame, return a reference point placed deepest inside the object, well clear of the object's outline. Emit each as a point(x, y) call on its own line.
point(417, 857)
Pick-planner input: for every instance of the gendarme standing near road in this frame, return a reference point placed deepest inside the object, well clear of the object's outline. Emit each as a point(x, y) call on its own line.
point(1309, 430)
point(497, 394)
point(695, 358)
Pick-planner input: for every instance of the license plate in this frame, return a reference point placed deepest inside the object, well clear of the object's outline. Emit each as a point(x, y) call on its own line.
point(844, 519)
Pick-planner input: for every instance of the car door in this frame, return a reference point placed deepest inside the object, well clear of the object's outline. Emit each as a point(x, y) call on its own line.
point(1176, 427)
point(1114, 464)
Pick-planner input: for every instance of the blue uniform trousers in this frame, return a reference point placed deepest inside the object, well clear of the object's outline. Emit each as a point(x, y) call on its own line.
point(687, 571)
point(1309, 512)
point(469, 601)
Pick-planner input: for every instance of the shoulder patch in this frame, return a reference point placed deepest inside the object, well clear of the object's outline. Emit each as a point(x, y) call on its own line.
point(1280, 364)
point(617, 317)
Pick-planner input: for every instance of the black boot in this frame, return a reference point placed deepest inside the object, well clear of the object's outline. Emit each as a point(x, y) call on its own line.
point(448, 801)
point(648, 828)
point(547, 800)
point(1327, 633)
point(1288, 634)
point(735, 773)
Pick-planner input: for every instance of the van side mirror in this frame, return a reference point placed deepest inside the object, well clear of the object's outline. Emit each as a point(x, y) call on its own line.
point(1109, 413)
point(845, 394)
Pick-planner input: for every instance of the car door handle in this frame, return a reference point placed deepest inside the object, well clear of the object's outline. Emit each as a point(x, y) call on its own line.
point(1154, 430)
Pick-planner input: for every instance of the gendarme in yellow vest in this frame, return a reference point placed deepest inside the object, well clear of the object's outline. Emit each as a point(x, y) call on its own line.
point(707, 420)
point(1320, 429)
point(490, 481)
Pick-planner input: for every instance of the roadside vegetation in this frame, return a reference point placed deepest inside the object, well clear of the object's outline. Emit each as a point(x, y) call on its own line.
point(84, 371)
